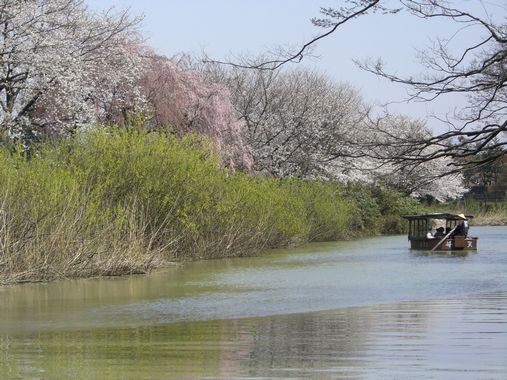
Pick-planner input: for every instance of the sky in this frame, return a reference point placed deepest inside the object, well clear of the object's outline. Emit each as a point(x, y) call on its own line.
point(224, 28)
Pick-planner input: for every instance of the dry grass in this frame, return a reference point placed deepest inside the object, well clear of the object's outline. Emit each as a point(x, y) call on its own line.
point(31, 252)
point(490, 219)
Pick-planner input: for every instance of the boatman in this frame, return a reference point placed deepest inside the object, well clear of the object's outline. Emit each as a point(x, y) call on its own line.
point(462, 228)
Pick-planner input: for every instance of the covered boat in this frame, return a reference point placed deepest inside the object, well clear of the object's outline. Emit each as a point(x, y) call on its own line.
point(443, 232)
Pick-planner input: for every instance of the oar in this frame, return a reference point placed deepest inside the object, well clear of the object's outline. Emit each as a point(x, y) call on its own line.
point(445, 237)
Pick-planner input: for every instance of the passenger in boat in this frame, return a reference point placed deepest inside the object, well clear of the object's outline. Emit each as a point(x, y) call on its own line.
point(429, 235)
point(440, 232)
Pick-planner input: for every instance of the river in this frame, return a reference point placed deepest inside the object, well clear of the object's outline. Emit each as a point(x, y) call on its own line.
point(366, 309)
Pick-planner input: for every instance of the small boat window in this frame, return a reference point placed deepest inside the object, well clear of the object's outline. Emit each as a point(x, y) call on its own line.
point(418, 228)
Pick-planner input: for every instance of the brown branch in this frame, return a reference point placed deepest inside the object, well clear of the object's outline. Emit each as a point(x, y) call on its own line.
point(298, 56)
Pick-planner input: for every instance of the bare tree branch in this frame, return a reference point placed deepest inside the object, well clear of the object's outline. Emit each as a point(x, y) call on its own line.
point(357, 8)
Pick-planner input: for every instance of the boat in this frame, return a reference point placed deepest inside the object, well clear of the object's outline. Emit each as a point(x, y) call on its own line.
point(440, 231)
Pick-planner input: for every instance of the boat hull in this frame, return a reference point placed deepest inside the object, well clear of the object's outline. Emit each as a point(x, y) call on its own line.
point(456, 243)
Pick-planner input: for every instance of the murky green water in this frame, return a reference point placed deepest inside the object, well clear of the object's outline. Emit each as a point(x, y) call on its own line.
point(358, 310)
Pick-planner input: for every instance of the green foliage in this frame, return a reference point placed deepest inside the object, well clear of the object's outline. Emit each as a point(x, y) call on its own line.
point(392, 205)
point(324, 210)
point(379, 209)
point(366, 213)
point(112, 201)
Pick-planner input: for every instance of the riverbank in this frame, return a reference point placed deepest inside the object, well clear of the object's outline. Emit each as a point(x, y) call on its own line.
point(493, 219)
point(493, 214)
point(113, 202)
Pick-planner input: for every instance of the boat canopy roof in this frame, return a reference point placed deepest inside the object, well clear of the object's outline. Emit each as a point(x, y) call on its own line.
point(439, 216)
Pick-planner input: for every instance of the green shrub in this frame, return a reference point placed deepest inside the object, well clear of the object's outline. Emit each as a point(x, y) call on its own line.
point(392, 206)
point(113, 201)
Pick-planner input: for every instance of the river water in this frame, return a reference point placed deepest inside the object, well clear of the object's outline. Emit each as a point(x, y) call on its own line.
point(367, 309)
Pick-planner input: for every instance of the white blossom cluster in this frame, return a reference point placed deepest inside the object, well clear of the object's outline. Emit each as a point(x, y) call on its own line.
point(63, 67)
point(391, 136)
point(300, 123)
point(295, 121)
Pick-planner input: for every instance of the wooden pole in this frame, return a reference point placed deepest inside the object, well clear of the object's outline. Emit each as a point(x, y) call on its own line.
point(445, 237)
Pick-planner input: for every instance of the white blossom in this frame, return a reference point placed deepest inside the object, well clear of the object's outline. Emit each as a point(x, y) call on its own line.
point(63, 67)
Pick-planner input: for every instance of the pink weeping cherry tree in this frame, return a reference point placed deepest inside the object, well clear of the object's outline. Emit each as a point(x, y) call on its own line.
point(185, 100)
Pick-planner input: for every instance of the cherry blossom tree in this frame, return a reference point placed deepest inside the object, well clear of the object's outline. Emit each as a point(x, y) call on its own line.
point(294, 121)
point(476, 69)
point(418, 178)
point(301, 123)
point(63, 67)
point(184, 99)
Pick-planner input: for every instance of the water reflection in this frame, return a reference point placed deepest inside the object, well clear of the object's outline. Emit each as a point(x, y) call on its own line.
point(447, 338)
point(359, 310)
point(315, 278)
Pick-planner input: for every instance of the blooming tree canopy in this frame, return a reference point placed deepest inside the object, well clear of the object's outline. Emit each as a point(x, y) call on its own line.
point(184, 99)
point(301, 123)
point(294, 121)
point(383, 139)
point(63, 67)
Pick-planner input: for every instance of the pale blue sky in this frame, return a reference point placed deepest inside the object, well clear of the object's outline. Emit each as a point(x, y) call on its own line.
point(224, 27)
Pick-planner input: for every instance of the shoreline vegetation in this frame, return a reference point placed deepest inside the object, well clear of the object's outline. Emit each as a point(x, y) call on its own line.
point(116, 201)
point(81, 197)
point(484, 214)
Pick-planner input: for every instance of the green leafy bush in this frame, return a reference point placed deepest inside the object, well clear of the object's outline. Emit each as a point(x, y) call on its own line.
point(114, 201)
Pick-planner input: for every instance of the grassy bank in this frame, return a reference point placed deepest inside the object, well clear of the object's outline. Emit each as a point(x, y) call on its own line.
point(485, 214)
point(112, 202)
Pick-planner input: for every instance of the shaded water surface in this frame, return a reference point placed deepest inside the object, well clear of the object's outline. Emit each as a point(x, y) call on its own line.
point(361, 310)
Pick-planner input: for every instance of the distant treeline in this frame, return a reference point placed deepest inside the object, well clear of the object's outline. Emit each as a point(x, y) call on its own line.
point(118, 201)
